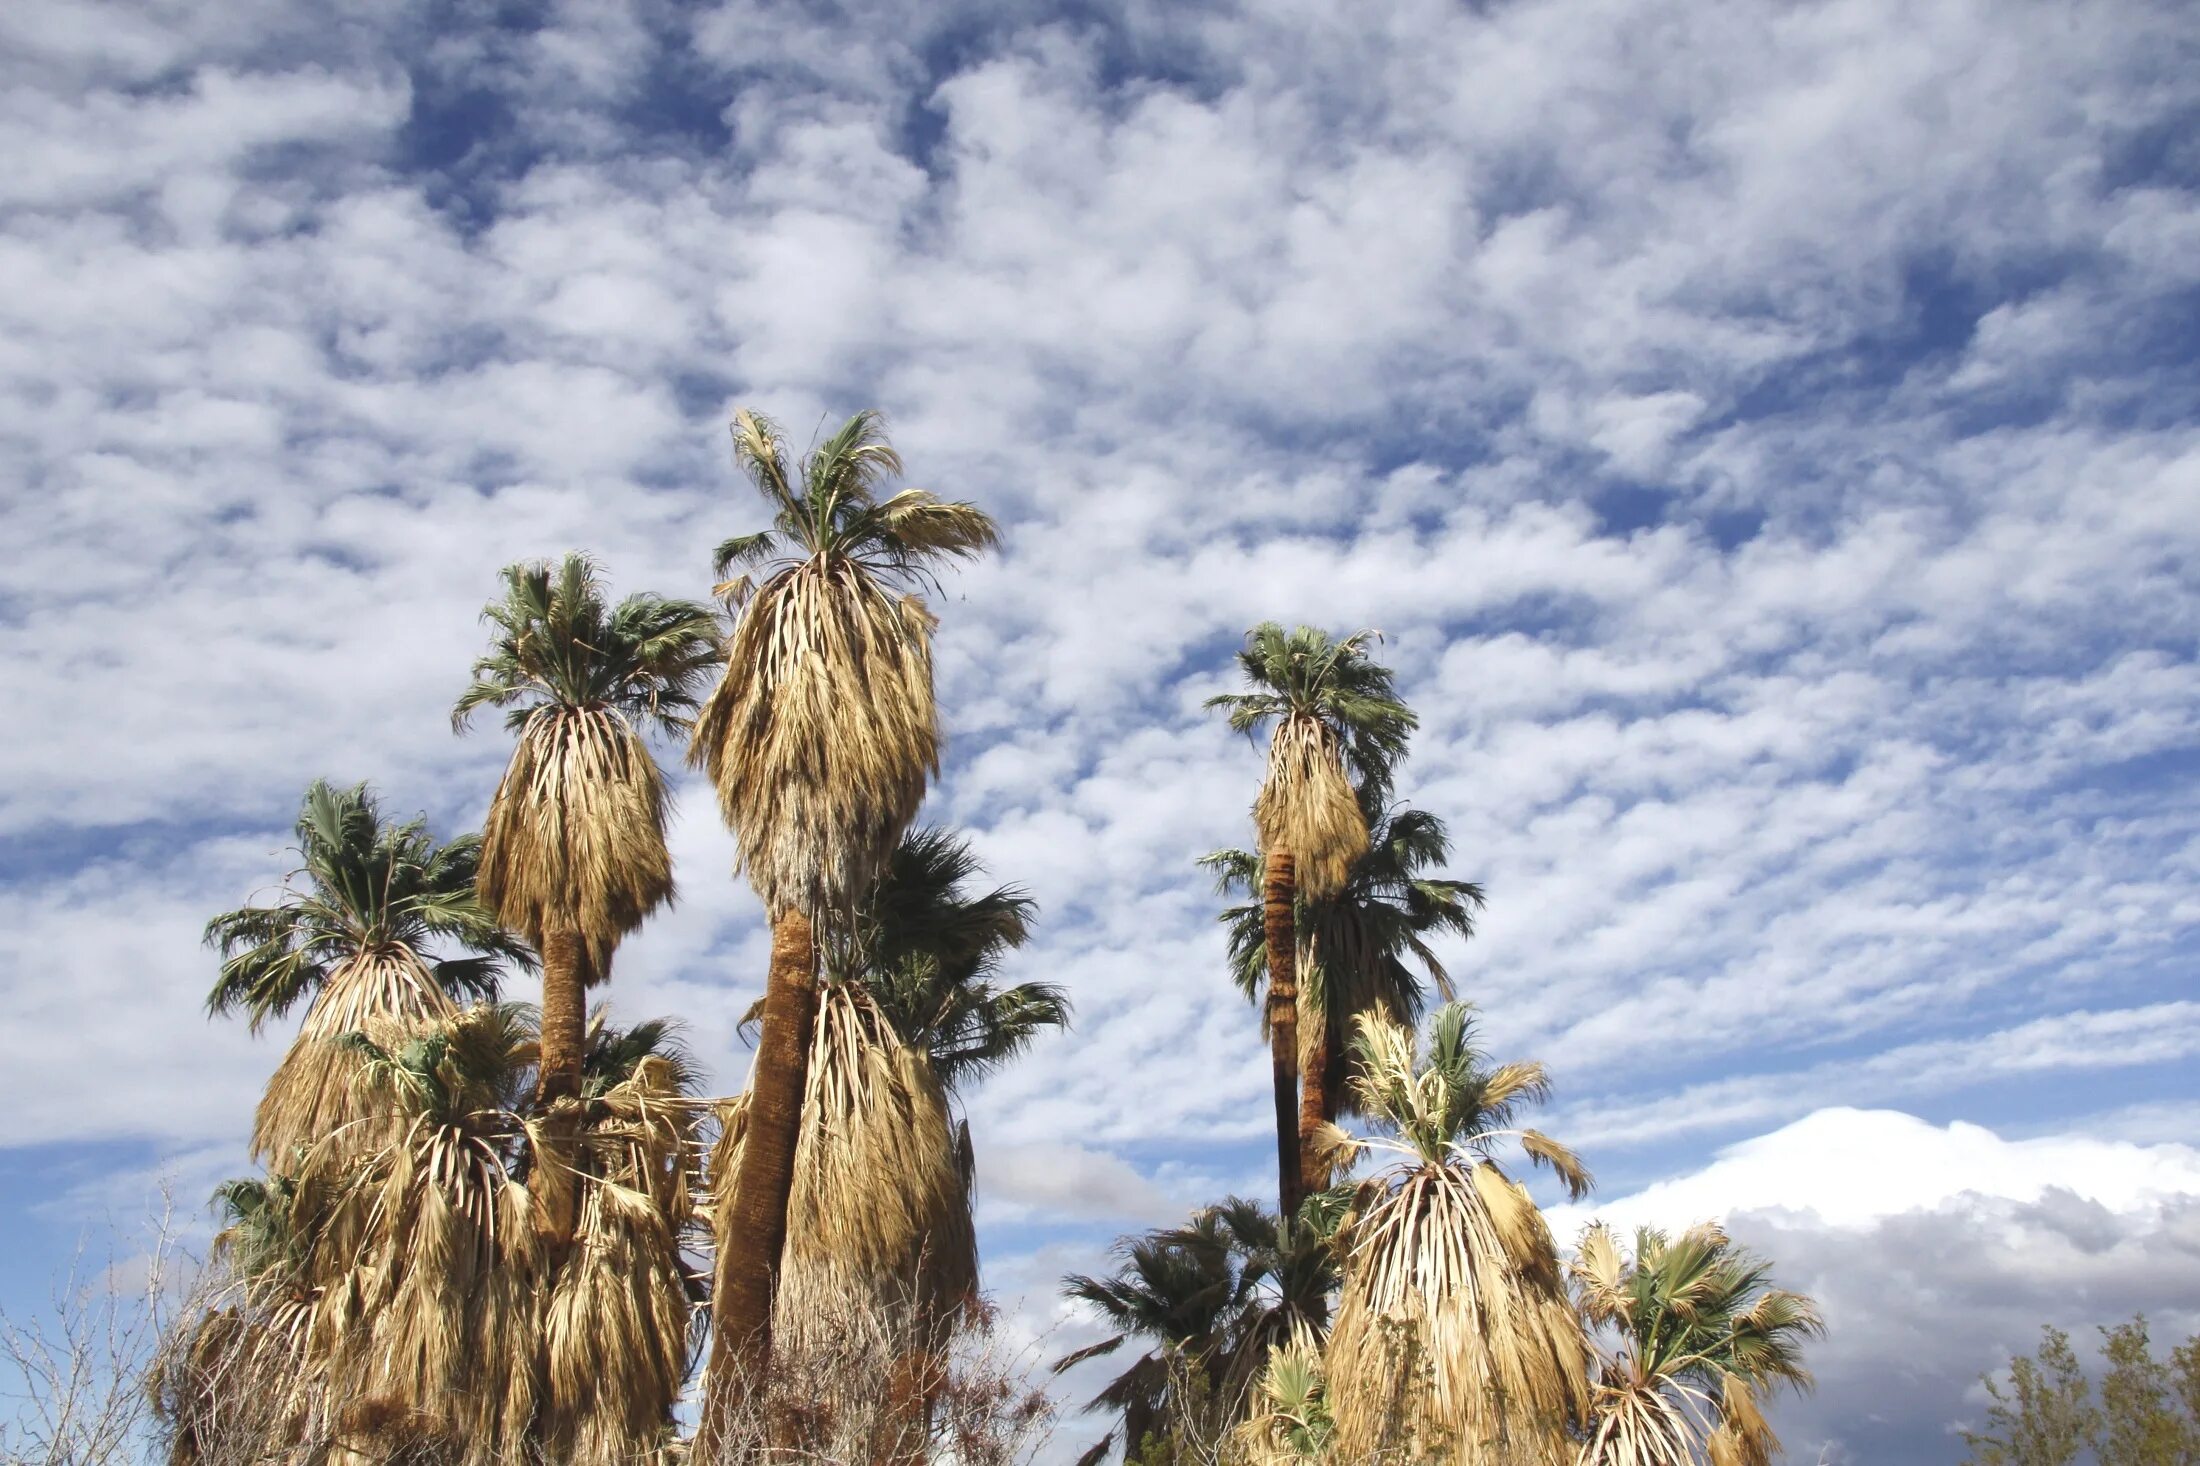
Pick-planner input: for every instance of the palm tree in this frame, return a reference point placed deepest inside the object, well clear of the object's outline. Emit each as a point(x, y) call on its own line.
point(430, 1320)
point(1216, 1297)
point(353, 929)
point(1699, 1334)
point(880, 1212)
point(819, 740)
point(617, 1325)
point(573, 856)
point(407, 1306)
point(1358, 951)
point(1333, 708)
point(1454, 1335)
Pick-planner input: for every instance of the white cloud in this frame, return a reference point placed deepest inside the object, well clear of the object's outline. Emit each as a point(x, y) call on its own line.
point(1862, 773)
point(1936, 1252)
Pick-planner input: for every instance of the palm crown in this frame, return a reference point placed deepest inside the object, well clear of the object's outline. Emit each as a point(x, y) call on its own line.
point(823, 732)
point(575, 837)
point(1334, 709)
point(1213, 1296)
point(556, 645)
point(1449, 1252)
point(1700, 1333)
point(369, 889)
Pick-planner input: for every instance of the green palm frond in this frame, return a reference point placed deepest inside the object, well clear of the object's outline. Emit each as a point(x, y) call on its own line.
point(555, 642)
point(1695, 1334)
point(365, 888)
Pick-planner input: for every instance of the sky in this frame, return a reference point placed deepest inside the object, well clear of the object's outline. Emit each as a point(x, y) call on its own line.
point(1766, 435)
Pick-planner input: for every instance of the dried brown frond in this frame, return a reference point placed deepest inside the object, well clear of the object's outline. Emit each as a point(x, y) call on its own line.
point(576, 833)
point(821, 734)
point(1307, 806)
point(1743, 1438)
point(438, 1311)
point(1453, 1263)
point(881, 1202)
point(616, 1326)
point(387, 994)
point(1638, 1426)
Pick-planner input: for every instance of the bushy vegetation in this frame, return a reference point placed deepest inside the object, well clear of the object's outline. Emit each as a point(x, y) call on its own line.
point(2144, 1411)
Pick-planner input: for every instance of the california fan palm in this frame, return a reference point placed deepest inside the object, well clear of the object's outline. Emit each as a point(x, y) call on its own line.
point(1336, 721)
point(1363, 949)
point(1695, 1337)
point(1455, 1337)
point(573, 855)
point(355, 929)
point(819, 740)
point(879, 1220)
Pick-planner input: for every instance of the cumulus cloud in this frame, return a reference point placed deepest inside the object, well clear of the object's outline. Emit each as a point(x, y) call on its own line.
point(1937, 1252)
point(1762, 434)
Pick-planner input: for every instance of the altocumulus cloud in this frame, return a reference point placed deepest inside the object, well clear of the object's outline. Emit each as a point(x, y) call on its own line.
point(1765, 434)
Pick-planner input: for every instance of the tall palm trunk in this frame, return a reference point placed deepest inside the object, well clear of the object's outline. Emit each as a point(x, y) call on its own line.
point(563, 1040)
point(1279, 890)
point(748, 1271)
point(1316, 1104)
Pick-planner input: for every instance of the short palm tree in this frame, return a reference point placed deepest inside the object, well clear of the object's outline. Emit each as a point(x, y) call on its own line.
point(573, 856)
point(1216, 1298)
point(819, 739)
point(355, 930)
point(1454, 1336)
point(430, 1317)
point(1364, 949)
point(1336, 721)
point(1695, 1336)
point(412, 1299)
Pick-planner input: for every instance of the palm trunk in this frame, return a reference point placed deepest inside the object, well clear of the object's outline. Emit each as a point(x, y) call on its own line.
point(1279, 890)
point(563, 1038)
point(747, 1274)
point(1315, 1105)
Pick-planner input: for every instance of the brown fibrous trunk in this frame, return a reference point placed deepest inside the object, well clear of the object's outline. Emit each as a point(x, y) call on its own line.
point(1315, 1107)
point(1279, 890)
point(747, 1272)
point(563, 1039)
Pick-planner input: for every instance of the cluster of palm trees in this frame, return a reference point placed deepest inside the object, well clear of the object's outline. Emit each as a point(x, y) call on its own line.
point(490, 1231)
point(1421, 1311)
point(485, 1228)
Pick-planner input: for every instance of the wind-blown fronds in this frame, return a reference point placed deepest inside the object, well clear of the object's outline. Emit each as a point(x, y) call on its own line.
point(1451, 1276)
point(927, 948)
point(823, 731)
point(1333, 708)
point(355, 934)
point(1697, 1333)
point(576, 834)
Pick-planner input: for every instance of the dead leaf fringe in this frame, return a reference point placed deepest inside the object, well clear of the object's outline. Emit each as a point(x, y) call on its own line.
point(576, 833)
point(1306, 806)
point(879, 1220)
point(429, 1321)
point(387, 994)
point(821, 734)
point(1454, 1260)
point(617, 1322)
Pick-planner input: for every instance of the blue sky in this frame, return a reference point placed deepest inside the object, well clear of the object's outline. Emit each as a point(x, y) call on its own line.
point(1768, 437)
